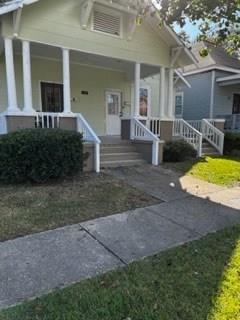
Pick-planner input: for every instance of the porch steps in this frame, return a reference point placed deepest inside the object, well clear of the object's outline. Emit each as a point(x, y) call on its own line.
point(119, 153)
point(208, 149)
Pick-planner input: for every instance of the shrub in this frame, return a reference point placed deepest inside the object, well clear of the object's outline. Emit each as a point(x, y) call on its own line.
point(231, 142)
point(177, 151)
point(39, 155)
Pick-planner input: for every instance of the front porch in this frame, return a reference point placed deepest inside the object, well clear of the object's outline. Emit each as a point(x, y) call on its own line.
point(99, 95)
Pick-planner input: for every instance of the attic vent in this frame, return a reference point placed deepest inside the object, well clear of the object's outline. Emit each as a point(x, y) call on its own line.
point(107, 23)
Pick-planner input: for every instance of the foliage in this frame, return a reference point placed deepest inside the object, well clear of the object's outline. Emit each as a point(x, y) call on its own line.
point(38, 155)
point(219, 19)
point(177, 151)
point(197, 281)
point(231, 142)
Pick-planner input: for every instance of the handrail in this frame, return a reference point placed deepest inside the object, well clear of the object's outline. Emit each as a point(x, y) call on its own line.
point(3, 124)
point(89, 135)
point(140, 132)
point(213, 135)
point(183, 129)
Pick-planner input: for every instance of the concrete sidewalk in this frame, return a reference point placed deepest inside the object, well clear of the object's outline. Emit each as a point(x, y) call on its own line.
point(36, 264)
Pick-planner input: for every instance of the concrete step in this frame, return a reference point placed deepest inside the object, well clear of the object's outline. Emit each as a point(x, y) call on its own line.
point(121, 163)
point(117, 149)
point(120, 156)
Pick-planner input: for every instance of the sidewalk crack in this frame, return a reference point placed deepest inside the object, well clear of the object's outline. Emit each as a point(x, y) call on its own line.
point(104, 246)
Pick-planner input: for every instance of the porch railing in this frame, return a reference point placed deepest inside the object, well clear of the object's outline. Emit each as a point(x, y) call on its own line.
point(46, 120)
point(154, 125)
point(89, 135)
point(140, 132)
point(209, 132)
point(183, 129)
point(213, 135)
point(3, 124)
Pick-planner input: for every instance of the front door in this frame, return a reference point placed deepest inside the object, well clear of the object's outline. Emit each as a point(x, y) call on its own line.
point(236, 103)
point(52, 97)
point(113, 121)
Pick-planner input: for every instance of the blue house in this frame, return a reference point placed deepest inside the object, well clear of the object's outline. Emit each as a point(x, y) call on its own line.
point(215, 87)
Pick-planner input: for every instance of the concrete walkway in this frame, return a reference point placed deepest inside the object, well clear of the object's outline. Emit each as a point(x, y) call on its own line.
point(36, 264)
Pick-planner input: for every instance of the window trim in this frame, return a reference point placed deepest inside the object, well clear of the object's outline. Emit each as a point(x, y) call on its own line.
point(109, 12)
point(180, 93)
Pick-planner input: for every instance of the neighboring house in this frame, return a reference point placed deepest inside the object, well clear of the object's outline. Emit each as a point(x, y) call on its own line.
point(215, 87)
point(79, 65)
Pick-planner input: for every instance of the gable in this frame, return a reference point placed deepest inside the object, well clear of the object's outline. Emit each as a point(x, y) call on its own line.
point(57, 23)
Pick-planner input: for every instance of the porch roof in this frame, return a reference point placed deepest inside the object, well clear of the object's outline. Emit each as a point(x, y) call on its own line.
point(230, 80)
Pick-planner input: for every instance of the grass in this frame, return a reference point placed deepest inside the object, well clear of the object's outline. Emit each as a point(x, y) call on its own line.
point(198, 281)
point(223, 170)
point(26, 209)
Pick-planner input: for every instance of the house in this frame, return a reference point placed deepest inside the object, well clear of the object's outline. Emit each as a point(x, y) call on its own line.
point(215, 87)
point(80, 65)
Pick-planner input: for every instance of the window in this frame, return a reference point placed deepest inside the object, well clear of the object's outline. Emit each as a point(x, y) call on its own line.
point(179, 105)
point(107, 23)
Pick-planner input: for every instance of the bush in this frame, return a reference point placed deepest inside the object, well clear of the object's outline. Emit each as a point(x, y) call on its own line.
point(39, 155)
point(177, 151)
point(231, 142)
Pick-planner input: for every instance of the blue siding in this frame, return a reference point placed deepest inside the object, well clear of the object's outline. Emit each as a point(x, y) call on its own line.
point(197, 98)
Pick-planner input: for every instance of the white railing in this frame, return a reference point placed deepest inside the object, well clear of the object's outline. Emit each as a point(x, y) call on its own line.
point(89, 135)
point(196, 124)
point(154, 125)
point(140, 132)
point(3, 124)
point(213, 135)
point(184, 130)
point(46, 120)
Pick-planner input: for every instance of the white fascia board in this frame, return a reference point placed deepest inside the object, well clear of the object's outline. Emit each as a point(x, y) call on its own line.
point(206, 69)
point(229, 78)
point(12, 6)
point(180, 43)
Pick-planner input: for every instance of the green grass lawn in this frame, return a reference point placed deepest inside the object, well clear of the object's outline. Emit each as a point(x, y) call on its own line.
point(223, 170)
point(198, 281)
point(26, 209)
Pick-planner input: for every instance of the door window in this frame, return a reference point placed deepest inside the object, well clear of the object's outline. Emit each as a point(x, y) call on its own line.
point(113, 104)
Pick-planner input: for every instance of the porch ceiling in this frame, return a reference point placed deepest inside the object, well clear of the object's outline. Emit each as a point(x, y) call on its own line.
point(91, 60)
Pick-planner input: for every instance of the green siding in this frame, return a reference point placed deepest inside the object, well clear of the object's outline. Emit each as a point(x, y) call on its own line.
point(57, 22)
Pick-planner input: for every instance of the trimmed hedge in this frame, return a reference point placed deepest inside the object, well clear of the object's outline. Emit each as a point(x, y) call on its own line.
point(232, 143)
point(38, 155)
point(178, 151)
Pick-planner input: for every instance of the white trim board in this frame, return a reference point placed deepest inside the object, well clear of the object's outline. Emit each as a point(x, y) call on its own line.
point(207, 69)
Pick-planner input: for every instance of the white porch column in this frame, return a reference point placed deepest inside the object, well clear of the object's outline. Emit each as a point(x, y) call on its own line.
point(137, 89)
point(162, 93)
point(170, 94)
point(11, 81)
point(66, 81)
point(27, 78)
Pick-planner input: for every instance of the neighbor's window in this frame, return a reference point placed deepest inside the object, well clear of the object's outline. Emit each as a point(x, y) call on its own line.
point(179, 104)
point(107, 23)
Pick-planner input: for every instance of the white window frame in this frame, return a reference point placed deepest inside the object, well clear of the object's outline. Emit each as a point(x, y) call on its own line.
point(112, 13)
point(181, 94)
